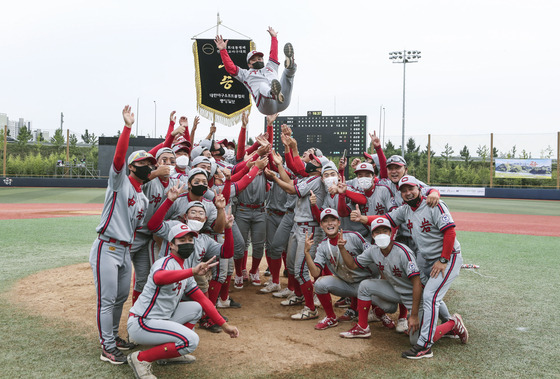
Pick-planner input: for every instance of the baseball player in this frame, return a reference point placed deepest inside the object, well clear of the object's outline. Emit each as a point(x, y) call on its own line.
point(160, 318)
point(344, 281)
point(123, 212)
point(439, 261)
point(270, 95)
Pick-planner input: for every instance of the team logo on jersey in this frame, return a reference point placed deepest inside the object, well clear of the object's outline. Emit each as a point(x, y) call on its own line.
point(412, 268)
point(140, 214)
point(409, 225)
point(445, 219)
point(380, 267)
point(379, 209)
point(426, 226)
point(155, 199)
point(397, 272)
point(131, 201)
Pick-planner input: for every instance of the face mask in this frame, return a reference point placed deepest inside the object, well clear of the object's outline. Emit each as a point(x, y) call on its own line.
point(414, 202)
point(258, 65)
point(195, 225)
point(228, 154)
point(199, 190)
point(221, 151)
point(364, 183)
point(310, 167)
point(212, 160)
point(142, 172)
point(172, 170)
point(331, 181)
point(382, 240)
point(185, 250)
point(182, 162)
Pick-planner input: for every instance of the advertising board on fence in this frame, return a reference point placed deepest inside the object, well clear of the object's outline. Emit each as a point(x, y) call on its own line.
point(523, 168)
point(462, 191)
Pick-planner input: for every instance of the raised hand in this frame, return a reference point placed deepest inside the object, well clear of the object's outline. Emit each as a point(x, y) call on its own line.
point(212, 128)
point(308, 241)
point(175, 191)
point(180, 130)
point(264, 149)
point(272, 32)
point(271, 118)
point(342, 163)
point(196, 122)
point(161, 171)
point(270, 175)
point(229, 220)
point(203, 267)
point(355, 163)
point(341, 241)
point(220, 201)
point(262, 162)
point(284, 139)
point(312, 198)
point(277, 158)
point(244, 119)
point(172, 117)
point(128, 116)
point(341, 187)
point(356, 215)
point(375, 140)
point(333, 190)
point(220, 43)
point(183, 121)
point(249, 157)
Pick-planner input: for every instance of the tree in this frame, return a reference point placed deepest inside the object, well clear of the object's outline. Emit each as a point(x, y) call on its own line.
point(90, 139)
point(495, 152)
point(466, 155)
point(250, 141)
point(525, 154)
point(58, 139)
point(40, 137)
point(390, 149)
point(447, 153)
point(483, 152)
point(73, 140)
point(547, 153)
point(23, 136)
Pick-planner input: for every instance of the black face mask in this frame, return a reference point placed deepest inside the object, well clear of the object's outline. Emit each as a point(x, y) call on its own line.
point(310, 167)
point(220, 151)
point(199, 190)
point(142, 172)
point(258, 65)
point(414, 202)
point(185, 250)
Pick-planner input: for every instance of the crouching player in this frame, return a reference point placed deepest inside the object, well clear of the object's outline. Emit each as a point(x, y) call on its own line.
point(160, 318)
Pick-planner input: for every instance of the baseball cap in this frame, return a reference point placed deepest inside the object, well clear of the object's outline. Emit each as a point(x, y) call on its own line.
point(317, 152)
point(181, 146)
point(408, 180)
point(200, 159)
point(364, 166)
point(195, 171)
point(194, 204)
point(329, 166)
point(164, 150)
point(197, 150)
point(140, 155)
point(329, 212)
point(396, 159)
point(182, 140)
point(179, 231)
point(380, 221)
point(224, 142)
point(254, 53)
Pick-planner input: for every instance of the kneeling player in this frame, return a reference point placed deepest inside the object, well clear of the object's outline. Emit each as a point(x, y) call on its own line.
point(159, 317)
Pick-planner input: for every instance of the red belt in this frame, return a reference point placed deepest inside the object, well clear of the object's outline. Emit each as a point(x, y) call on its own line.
point(279, 213)
point(112, 240)
point(133, 315)
point(305, 223)
point(252, 206)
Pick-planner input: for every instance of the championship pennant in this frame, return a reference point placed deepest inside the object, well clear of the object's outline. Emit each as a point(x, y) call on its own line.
point(220, 97)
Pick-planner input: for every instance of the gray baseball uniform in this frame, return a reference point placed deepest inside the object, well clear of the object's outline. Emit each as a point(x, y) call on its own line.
point(250, 217)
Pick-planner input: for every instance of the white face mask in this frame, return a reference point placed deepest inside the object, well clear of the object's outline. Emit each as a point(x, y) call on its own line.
point(228, 154)
point(382, 240)
point(172, 170)
point(182, 162)
point(365, 183)
point(195, 225)
point(331, 181)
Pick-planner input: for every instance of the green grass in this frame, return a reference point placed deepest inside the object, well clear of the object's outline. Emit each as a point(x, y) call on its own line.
point(51, 195)
point(505, 206)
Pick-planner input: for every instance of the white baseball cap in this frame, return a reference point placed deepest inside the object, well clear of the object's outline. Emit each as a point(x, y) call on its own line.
point(408, 180)
point(380, 221)
point(254, 53)
point(329, 212)
point(164, 150)
point(364, 166)
point(179, 231)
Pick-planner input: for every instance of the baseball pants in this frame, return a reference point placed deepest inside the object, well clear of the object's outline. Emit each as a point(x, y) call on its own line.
point(270, 106)
point(281, 236)
point(147, 331)
point(140, 257)
point(336, 286)
point(295, 259)
point(251, 221)
point(112, 270)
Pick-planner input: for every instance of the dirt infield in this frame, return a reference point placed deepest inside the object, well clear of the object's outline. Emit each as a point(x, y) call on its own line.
point(45, 210)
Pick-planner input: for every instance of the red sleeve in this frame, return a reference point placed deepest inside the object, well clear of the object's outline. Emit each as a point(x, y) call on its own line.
point(238, 175)
point(241, 143)
point(433, 190)
point(238, 166)
point(448, 242)
point(316, 213)
point(252, 148)
point(168, 140)
point(341, 173)
point(270, 131)
point(157, 219)
point(299, 166)
point(120, 150)
point(246, 180)
point(274, 49)
point(382, 162)
point(371, 218)
point(357, 198)
point(164, 277)
point(207, 306)
point(343, 210)
point(231, 68)
point(170, 127)
point(227, 247)
point(155, 149)
point(289, 160)
point(227, 191)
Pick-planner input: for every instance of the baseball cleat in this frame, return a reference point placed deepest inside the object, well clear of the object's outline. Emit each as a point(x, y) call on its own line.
point(245, 275)
point(293, 300)
point(207, 324)
point(271, 287)
point(289, 53)
point(182, 360)
point(450, 334)
point(276, 90)
point(229, 303)
point(238, 283)
point(357, 332)
point(459, 328)
point(141, 369)
point(286, 292)
point(402, 325)
point(124, 344)
point(326, 323)
point(267, 272)
point(349, 315)
point(255, 279)
point(343, 302)
point(306, 314)
point(112, 355)
point(417, 352)
point(387, 322)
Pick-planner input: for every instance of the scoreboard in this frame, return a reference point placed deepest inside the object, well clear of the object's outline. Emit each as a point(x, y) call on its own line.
point(331, 134)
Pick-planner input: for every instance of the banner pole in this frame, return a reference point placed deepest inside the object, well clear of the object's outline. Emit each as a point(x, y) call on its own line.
point(557, 163)
point(491, 159)
point(429, 155)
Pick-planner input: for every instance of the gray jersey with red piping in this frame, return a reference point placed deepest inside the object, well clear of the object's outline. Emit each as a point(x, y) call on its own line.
point(303, 187)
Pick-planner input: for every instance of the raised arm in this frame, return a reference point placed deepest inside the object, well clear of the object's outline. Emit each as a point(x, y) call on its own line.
point(230, 67)
point(273, 45)
point(122, 144)
point(376, 143)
